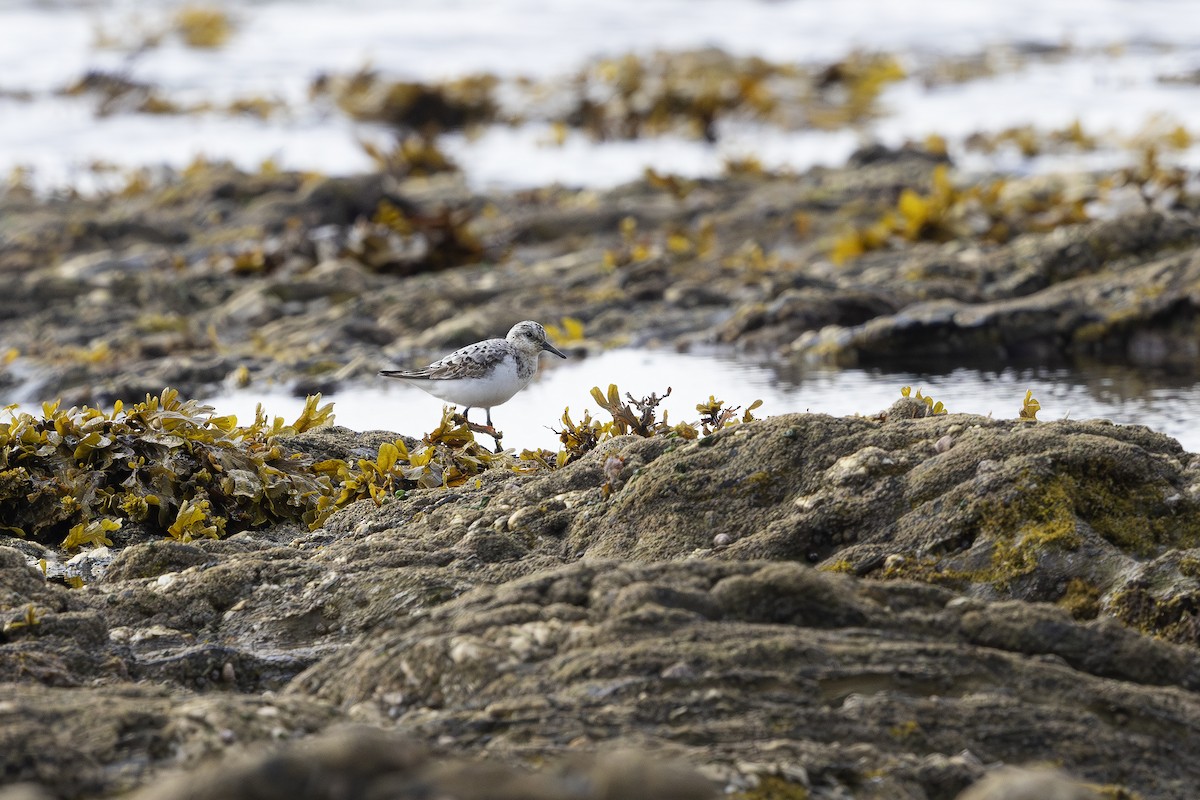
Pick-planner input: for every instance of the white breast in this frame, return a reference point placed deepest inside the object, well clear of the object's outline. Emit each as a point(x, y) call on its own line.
point(484, 391)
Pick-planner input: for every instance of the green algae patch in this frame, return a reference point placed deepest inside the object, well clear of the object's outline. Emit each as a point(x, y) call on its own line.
point(1123, 520)
point(1023, 526)
point(1040, 516)
point(774, 787)
point(1081, 599)
point(1175, 618)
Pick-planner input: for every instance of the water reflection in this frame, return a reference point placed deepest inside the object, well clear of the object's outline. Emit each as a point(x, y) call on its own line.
point(1159, 400)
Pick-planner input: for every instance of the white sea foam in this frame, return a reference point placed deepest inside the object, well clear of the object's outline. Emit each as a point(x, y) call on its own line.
point(279, 47)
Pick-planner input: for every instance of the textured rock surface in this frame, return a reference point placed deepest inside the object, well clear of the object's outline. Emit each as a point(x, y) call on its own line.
point(900, 606)
point(226, 277)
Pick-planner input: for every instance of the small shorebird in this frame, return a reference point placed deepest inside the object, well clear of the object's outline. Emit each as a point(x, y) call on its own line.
point(483, 374)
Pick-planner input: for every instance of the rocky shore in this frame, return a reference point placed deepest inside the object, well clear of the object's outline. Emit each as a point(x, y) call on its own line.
point(218, 278)
point(903, 605)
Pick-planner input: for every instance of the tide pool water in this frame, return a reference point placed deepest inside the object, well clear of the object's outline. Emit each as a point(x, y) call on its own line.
point(1124, 397)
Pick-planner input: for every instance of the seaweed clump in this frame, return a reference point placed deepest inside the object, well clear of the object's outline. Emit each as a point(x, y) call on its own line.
point(990, 212)
point(636, 417)
point(425, 108)
point(448, 456)
point(76, 477)
point(167, 464)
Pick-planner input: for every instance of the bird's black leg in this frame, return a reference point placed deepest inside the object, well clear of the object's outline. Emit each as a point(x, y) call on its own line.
point(466, 413)
point(489, 417)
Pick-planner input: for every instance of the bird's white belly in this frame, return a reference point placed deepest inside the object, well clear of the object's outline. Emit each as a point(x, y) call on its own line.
point(484, 391)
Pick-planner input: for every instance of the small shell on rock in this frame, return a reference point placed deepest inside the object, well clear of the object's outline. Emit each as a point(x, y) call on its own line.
point(808, 502)
point(465, 649)
point(678, 671)
point(943, 444)
point(522, 517)
point(867, 461)
point(894, 561)
point(612, 467)
point(722, 540)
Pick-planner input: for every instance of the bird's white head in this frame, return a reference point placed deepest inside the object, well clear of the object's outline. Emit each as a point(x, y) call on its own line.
point(530, 335)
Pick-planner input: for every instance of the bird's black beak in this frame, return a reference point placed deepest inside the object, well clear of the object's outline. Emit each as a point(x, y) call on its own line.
point(553, 349)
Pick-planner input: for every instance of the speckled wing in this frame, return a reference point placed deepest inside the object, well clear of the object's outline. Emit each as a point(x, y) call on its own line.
point(471, 361)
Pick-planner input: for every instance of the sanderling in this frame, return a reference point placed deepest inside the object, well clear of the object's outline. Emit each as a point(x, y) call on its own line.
point(483, 374)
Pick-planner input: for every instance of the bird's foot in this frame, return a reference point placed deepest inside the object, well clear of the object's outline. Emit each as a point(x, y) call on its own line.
point(486, 429)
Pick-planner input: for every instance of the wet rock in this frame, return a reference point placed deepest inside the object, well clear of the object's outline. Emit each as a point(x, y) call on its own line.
point(532, 614)
point(1070, 303)
point(85, 741)
point(154, 558)
point(280, 275)
point(1029, 784)
point(607, 654)
point(370, 763)
point(985, 591)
